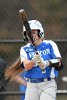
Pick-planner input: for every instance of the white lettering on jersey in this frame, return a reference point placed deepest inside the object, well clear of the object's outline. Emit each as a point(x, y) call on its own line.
point(43, 52)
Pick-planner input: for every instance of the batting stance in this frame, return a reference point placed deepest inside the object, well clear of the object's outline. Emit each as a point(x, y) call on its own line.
point(41, 66)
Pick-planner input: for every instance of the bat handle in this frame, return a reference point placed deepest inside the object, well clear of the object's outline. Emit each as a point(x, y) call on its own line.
point(43, 70)
point(36, 52)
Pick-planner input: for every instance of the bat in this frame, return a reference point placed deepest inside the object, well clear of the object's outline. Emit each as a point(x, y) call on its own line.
point(26, 24)
point(13, 70)
point(28, 29)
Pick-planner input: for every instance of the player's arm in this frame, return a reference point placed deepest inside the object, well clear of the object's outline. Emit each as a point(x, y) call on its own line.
point(55, 62)
point(28, 64)
point(14, 69)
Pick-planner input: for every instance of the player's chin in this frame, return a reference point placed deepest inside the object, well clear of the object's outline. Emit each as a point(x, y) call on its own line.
point(35, 41)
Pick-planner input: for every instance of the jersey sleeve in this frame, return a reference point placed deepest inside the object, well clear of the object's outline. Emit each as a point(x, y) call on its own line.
point(55, 53)
point(23, 54)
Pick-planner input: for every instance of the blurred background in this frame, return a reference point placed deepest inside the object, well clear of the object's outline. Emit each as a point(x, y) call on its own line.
point(52, 14)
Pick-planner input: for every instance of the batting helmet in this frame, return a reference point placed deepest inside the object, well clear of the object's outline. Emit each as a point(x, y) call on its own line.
point(34, 24)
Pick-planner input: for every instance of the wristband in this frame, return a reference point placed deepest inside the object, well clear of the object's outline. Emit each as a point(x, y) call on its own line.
point(46, 63)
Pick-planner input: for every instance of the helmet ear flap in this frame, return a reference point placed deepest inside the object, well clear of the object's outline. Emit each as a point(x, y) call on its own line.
point(40, 34)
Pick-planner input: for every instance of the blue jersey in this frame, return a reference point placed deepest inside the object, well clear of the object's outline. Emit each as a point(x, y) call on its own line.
point(47, 50)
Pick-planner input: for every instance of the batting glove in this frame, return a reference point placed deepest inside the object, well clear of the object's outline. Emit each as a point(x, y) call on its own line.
point(38, 61)
point(37, 58)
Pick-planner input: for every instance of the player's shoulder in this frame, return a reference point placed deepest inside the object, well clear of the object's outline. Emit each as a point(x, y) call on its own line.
point(25, 46)
point(51, 42)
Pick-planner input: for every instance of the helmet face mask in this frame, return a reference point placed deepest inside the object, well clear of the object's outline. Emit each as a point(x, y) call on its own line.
point(34, 25)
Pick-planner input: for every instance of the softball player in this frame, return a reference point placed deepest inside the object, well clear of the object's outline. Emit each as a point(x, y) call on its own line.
point(41, 68)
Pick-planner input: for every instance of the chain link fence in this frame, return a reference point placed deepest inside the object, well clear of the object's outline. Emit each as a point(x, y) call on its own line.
point(52, 14)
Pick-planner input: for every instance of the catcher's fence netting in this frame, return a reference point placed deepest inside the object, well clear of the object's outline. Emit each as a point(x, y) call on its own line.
point(55, 25)
point(52, 14)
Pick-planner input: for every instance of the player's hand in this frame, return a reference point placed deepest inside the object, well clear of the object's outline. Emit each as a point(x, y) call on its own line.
point(37, 58)
point(38, 61)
